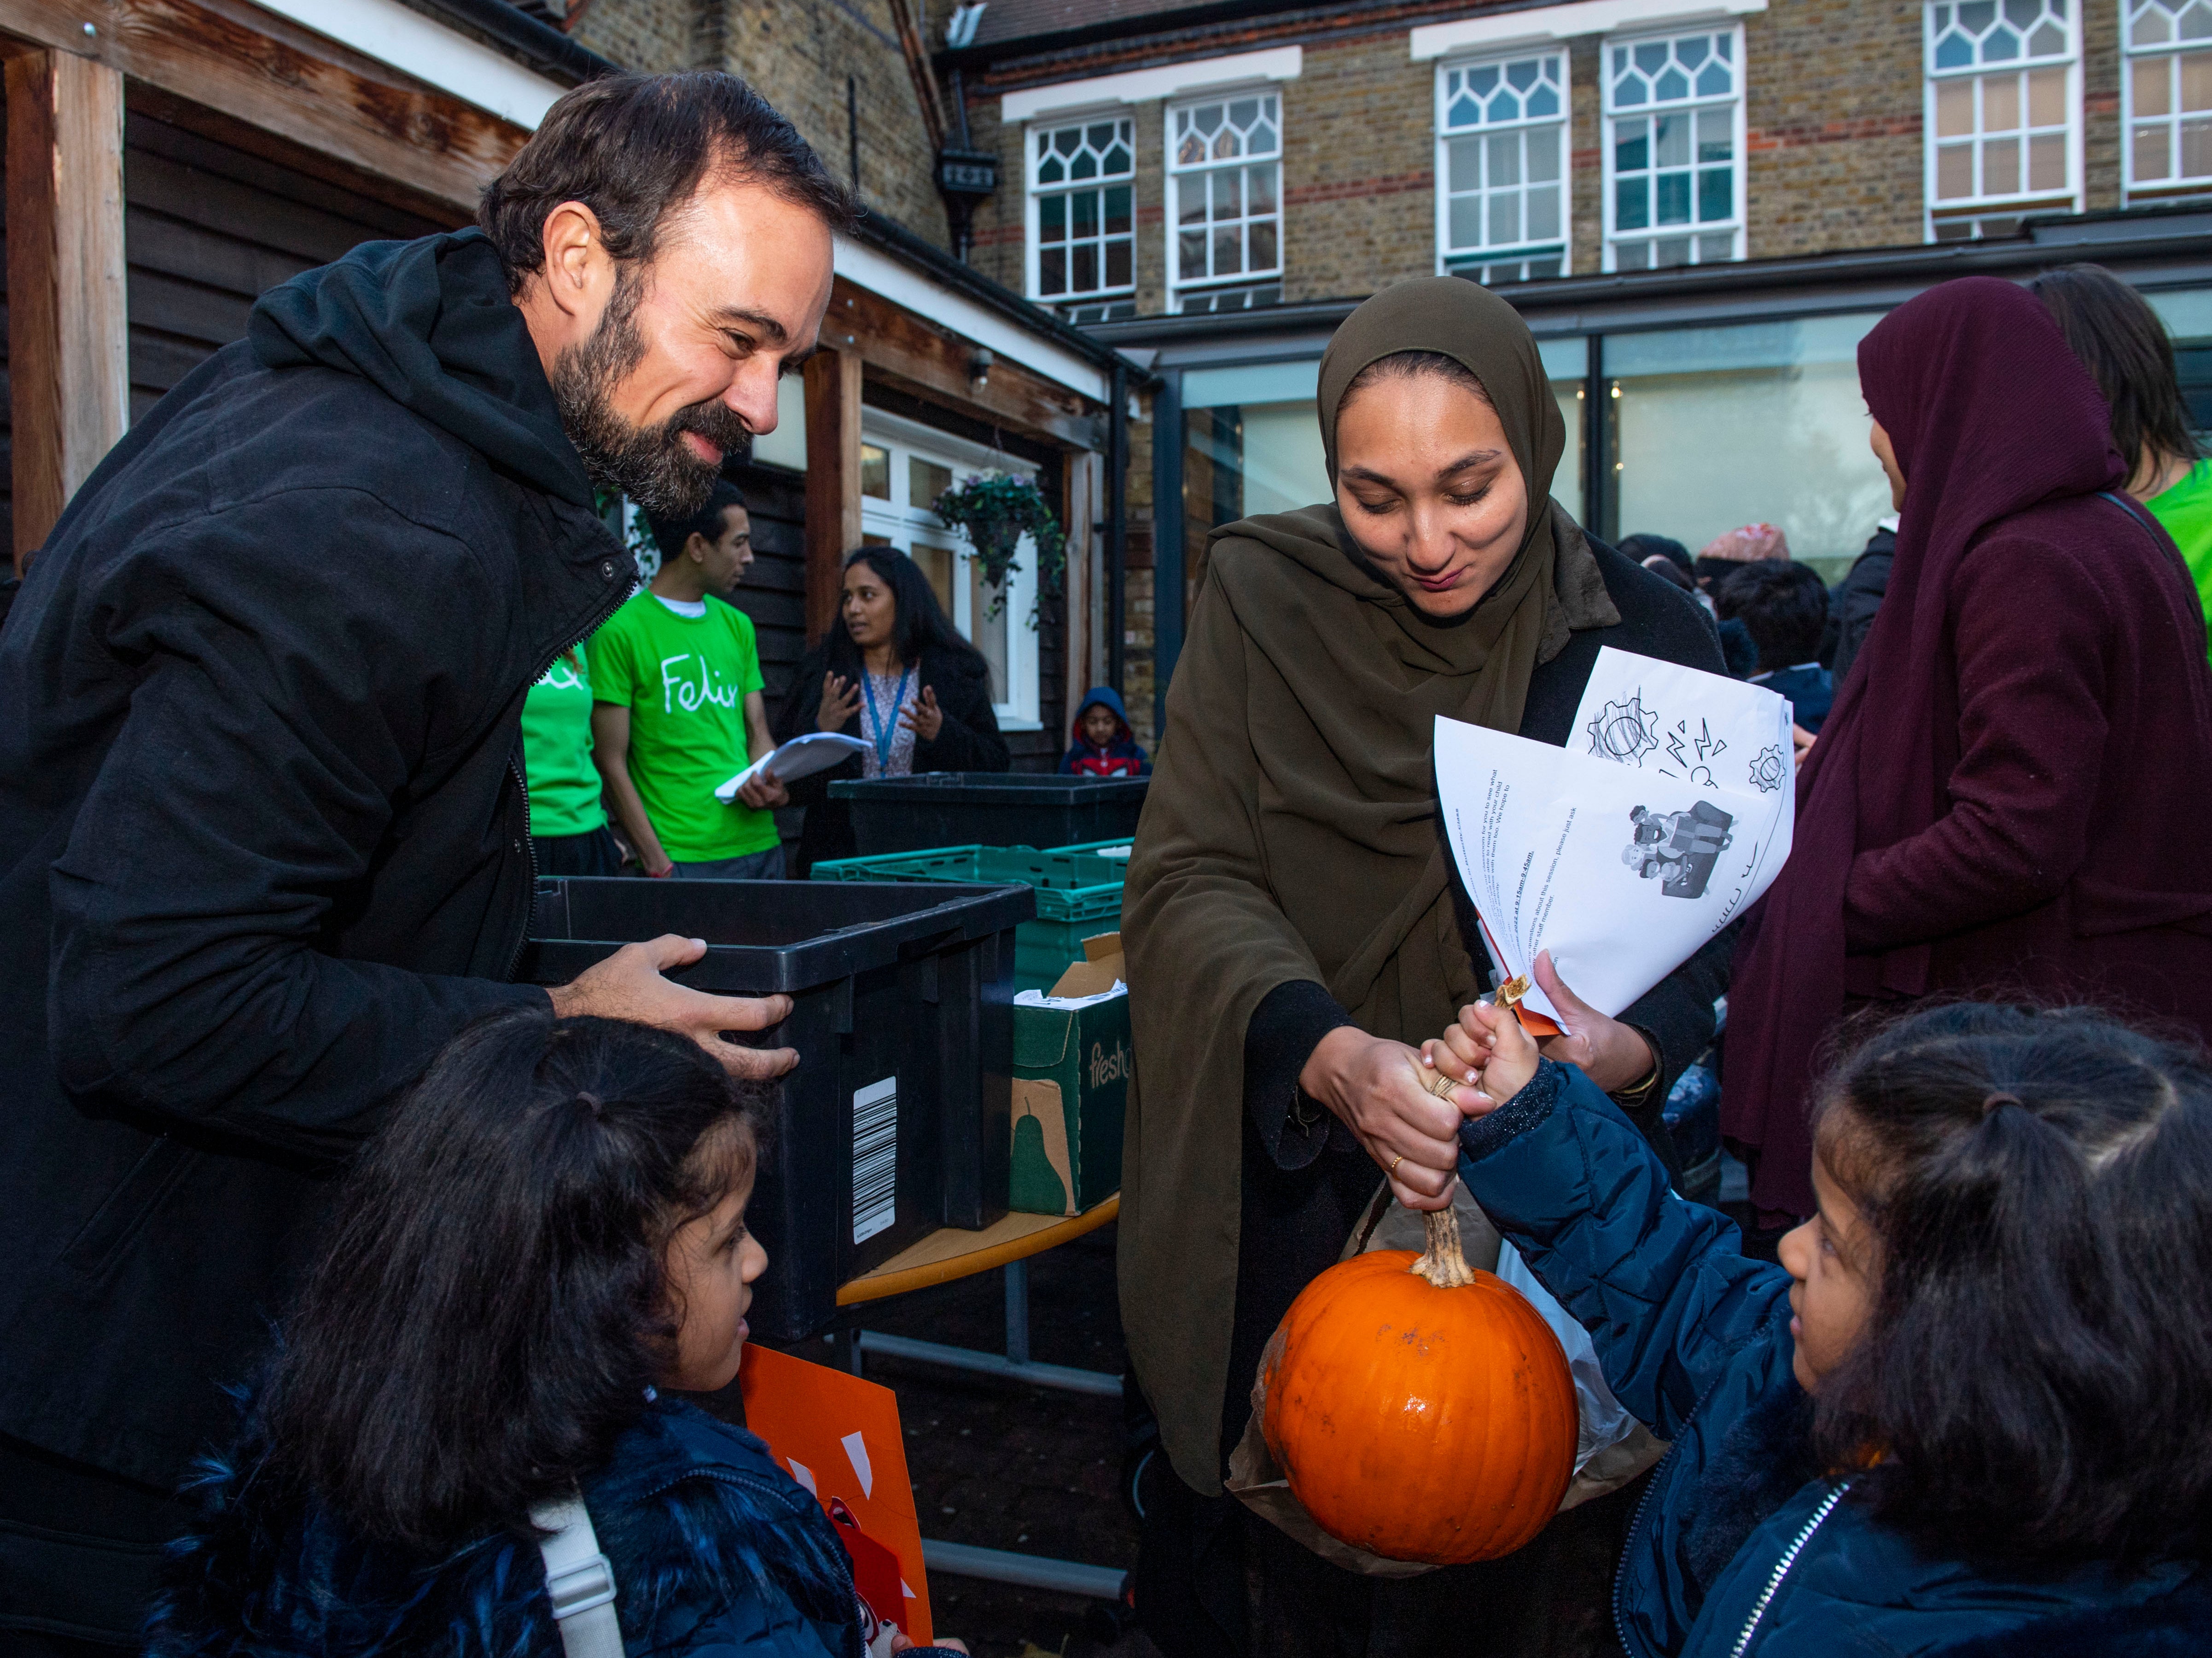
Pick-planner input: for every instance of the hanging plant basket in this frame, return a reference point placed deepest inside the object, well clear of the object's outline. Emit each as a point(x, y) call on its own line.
point(997, 510)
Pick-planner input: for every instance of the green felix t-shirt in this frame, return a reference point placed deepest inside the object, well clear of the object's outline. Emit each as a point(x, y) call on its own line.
point(556, 751)
point(2185, 510)
point(685, 680)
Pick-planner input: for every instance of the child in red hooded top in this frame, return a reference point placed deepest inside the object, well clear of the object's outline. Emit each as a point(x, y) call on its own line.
point(1104, 746)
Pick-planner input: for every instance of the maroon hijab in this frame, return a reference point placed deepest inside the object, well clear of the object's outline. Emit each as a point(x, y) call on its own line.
point(1990, 413)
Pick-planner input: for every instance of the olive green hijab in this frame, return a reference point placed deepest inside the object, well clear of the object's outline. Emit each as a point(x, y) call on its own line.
point(1290, 832)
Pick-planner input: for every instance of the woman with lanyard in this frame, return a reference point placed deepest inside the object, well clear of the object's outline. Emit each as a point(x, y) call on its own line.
point(895, 673)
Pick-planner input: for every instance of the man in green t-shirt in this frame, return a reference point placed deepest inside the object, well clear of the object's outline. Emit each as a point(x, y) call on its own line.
point(677, 708)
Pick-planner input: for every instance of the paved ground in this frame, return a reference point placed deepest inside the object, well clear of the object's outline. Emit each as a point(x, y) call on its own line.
point(1009, 1467)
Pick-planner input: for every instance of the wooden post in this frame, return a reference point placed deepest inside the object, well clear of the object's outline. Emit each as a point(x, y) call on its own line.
point(833, 481)
point(67, 330)
point(1084, 472)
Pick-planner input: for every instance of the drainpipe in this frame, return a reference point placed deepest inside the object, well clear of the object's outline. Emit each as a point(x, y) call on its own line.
point(1117, 520)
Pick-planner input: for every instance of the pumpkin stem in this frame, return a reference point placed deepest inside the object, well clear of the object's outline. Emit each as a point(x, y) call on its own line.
point(1444, 1263)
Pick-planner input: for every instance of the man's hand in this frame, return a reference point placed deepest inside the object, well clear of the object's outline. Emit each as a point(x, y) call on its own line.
point(1376, 1087)
point(629, 985)
point(840, 700)
point(763, 792)
point(1612, 1054)
point(923, 717)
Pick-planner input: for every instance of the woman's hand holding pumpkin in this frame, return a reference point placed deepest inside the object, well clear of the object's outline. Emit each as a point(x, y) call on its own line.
point(1377, 1088)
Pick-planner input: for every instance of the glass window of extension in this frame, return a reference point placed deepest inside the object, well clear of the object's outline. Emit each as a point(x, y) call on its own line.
point(1225, 202)
point(2167, 90)
point(2002, 114)
point(1501, 153)
point(1081, 218)
point(1674, 151)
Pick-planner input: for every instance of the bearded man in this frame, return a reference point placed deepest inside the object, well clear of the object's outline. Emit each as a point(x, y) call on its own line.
point(261, 794)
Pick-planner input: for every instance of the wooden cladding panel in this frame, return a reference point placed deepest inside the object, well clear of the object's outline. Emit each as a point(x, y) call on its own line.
point(67, 382)
point(208, 229)
point(833, 480)
point(914, 354)
point(427, 146)
point(7, 449)
point(773, 591)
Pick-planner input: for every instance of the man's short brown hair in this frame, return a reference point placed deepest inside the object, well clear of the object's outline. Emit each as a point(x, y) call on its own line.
point(632, 148)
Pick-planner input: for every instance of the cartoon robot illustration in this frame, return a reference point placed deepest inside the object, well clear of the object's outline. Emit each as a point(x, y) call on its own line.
point(1678, 849)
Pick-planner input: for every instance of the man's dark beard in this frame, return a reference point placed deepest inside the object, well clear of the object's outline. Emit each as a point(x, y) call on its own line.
point(651, 464)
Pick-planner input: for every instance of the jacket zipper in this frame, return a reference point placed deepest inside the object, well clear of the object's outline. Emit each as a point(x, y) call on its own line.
point(514, 765)
point(1781, 1566)
point(1636, 1520)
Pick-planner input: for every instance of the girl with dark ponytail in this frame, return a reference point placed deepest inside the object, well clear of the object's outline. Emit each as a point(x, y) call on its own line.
point(1968, 1413)
point(548, 1233)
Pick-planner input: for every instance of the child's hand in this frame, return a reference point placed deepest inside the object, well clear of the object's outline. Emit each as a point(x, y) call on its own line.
point(1513, 1051)
point(1488, 1049)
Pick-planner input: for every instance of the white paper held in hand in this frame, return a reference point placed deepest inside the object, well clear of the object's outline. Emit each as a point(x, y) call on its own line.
point(1669, 811)
point(802, 756)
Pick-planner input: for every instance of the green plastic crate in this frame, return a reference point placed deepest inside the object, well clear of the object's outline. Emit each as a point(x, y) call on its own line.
point(1079, 895)
point(1114, 851)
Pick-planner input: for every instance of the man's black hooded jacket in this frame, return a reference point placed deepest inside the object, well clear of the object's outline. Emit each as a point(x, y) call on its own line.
point(264, 836)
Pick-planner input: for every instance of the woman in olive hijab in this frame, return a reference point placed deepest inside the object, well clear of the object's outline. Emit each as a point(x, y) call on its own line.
point(1294, 928)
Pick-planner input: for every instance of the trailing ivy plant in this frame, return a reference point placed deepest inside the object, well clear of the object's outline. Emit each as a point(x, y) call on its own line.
point(997, 509)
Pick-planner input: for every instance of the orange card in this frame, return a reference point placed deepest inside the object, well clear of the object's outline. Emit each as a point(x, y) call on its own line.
point(839, 1437)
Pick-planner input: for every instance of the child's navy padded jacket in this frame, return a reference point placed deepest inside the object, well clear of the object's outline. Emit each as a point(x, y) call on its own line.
point(717, 1553)
point(1738, 1531)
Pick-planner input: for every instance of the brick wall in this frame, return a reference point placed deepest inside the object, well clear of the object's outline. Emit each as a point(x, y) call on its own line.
point(1833, 100)
point(1586, 159)
point(649, 35)
point(798, 53)
point(1834, 112)
point(2100, 101)
point(1358, 168)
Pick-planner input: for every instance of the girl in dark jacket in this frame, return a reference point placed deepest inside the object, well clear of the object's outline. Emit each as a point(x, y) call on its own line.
point(551, 1228)
point(1967, 1414)
point(894, 672)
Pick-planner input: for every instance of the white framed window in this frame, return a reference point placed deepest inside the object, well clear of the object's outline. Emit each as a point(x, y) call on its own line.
point(1225, 201)
point(1674, 150)
point(2167, 97)
point(2003, 114)
point(904, 467)
point(1501, 168)
point(1082, 216)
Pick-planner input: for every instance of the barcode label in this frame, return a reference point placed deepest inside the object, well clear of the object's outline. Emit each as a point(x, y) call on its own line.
point(875, 1158)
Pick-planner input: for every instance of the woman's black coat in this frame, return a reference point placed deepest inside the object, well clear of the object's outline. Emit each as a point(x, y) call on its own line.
point(969, 741)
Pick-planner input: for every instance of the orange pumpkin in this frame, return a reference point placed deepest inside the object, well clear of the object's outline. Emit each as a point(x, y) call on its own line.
point(1421, 1410)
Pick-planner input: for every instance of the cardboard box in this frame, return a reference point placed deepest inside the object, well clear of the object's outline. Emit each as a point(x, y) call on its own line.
point(1072, 1072)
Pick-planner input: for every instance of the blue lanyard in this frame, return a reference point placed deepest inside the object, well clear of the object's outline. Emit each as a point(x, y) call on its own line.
point(885, 733)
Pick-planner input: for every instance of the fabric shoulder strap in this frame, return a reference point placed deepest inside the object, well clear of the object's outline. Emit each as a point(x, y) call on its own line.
point(2126, 506)
point(578, 1581)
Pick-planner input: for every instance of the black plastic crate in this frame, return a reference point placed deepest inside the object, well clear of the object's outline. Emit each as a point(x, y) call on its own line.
point(908, 984)
point(989, 809)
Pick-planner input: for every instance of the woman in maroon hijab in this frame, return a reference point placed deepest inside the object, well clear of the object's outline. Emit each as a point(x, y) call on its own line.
point(2012, 795)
